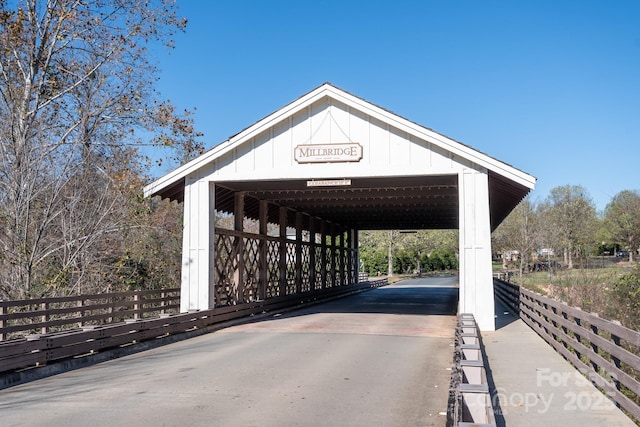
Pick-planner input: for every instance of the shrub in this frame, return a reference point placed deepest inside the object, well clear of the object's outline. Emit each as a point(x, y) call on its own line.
point(625, 293)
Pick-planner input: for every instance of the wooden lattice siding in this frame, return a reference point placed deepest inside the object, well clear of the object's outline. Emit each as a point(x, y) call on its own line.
point(243, 282)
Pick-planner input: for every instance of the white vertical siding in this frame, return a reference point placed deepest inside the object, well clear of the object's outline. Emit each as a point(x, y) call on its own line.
point(300, 130)
point(399, 151)
point(440, 159)
point(378, 143)
point(281, 142)
point(245, 157)
point(320, 122)
point(270, 154)
point(360, 130)
point(263, 151)
point(419, 153)
point(340, 123)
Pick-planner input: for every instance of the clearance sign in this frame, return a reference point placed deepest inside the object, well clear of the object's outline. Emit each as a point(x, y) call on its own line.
point(328, 153)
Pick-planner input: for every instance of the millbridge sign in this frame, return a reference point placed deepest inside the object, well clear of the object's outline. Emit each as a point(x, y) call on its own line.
point(328, 153)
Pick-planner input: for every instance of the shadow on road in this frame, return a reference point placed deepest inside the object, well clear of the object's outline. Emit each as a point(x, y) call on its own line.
point(424, 296)
point(504, 315)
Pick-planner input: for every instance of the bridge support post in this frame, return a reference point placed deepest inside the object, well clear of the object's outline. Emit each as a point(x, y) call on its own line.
point(350, 257)
point(298, 260)
point(333, 252)
point(341, 257)
point(198, 240)
point(312, 254)
point(355, 244)
point(476, 281)
point(282, 261)
point(323, 255)
point(264, 266)
point(238, 248)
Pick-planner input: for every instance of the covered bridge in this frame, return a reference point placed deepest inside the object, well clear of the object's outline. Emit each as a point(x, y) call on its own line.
point(317, 171)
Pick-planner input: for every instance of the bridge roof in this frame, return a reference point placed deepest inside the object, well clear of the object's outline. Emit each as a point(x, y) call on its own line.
point(370, 200)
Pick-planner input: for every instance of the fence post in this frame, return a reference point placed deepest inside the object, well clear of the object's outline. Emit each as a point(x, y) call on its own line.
point(80, 304)
point(594, 347)
point(136, 306)
point(111, 309)
point(3, 335)
point(615, 360)
point(45, 317)
point(578, 336)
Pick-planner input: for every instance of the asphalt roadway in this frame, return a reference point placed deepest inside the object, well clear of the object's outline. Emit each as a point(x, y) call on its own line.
point(378, 358)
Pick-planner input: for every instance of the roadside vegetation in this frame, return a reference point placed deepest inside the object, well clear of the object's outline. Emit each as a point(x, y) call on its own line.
point(612, 291)
point(392, 252)
point(79, 119)
point(563, 248)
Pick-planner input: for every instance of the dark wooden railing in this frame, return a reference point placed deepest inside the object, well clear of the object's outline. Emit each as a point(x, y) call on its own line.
point(607, 353)
point(44, 315)
point(96, 335)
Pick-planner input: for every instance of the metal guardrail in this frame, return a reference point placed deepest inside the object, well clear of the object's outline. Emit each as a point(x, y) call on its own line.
point(607, 353)
point(41, 349)
point(472, 404)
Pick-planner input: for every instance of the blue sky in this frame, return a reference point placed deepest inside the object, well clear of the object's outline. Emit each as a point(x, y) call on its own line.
point(550, 87)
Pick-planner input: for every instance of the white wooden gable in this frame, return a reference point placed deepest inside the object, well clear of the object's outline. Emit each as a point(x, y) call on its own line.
point(391, 146)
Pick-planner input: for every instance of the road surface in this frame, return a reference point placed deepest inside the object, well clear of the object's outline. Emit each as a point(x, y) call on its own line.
point(378, 358)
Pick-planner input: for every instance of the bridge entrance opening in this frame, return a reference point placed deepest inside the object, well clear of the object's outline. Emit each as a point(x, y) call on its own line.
point(313, 174)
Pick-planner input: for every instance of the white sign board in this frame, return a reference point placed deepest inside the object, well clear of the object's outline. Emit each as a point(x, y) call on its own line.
point(328, 182)
point(328, 153)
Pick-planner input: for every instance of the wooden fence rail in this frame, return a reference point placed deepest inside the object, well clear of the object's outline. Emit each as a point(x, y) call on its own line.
point(607, 353)
point(44, 315)
point(41, 349)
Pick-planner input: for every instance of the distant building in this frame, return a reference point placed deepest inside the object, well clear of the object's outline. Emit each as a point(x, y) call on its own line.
point(511, 256)
point(545, 252)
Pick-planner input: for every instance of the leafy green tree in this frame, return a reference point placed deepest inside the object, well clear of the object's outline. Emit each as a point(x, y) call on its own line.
point(443, 259)
point(407, 251)
point(372, 257)
point(569, 217)
point(450, 260)
point(622, 219)
point(391, 240)
point(520, 231)
point(404, 261)
point(436, 262)
point(422, 242)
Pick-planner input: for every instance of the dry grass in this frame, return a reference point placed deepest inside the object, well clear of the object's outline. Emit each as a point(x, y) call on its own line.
point(590, 288)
